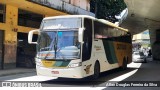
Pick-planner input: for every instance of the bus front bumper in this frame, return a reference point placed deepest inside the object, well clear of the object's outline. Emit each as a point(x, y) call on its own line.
point(75, 72)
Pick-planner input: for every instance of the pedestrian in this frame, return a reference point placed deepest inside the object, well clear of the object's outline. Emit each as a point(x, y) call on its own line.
point(149, 53)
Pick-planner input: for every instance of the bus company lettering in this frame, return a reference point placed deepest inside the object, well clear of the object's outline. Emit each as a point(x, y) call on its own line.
point(121, 47)
point(97, 48)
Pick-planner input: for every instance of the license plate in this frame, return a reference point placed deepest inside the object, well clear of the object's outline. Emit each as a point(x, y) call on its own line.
point(55, 72)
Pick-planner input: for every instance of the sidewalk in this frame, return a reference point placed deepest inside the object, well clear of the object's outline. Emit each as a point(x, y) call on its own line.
point(14, 71)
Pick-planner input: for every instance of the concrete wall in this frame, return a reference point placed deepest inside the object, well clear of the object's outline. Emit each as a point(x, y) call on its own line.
point(152, 36)
point(10, 41)
point(84, 4)
point(11, 28)
point(141, 36)
point(10, 35)
point(69, 6)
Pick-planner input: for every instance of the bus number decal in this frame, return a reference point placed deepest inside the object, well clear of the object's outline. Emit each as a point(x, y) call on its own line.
point(97, 48)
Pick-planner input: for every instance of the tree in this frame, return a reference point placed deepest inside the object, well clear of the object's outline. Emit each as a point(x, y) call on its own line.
point(107, 9)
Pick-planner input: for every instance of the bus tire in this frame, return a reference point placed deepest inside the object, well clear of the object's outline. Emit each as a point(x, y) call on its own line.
point(96, 70)
point(124, 65)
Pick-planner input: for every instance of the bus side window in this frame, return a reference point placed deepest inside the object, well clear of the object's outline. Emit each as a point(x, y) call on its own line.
point(87, 38)
point(100, 30)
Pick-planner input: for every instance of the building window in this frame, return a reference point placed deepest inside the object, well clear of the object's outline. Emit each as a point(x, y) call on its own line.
point(29, 19)
point(2, 13)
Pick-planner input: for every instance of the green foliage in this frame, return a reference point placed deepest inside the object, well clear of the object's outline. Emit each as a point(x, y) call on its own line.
point(107, 9)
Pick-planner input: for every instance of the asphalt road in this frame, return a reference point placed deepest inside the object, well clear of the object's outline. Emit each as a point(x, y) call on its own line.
point(145, 72)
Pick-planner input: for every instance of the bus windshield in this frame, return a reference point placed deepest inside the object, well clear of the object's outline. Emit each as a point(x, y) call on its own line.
point(59, 45)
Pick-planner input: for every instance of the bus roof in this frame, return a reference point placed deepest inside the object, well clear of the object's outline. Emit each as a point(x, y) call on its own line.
point(70, 16)
point(90, 17)
point(112, 24)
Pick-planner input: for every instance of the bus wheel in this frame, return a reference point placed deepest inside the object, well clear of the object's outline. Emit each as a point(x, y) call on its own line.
point(124, 65)
point(96, 70)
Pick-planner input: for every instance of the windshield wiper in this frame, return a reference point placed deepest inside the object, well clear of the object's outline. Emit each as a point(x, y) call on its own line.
point(55, 45)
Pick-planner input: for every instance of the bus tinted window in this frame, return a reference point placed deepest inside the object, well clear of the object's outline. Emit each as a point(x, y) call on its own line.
point(104, 31)
point(87, 38)
point(61, 23)
point(100, 30)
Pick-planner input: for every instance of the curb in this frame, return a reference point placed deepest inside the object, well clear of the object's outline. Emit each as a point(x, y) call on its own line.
point(14, 73)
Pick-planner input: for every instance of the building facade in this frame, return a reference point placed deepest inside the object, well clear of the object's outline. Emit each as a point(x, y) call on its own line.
point(18, 17)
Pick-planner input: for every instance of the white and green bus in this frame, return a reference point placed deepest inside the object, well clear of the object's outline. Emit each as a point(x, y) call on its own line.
point(78, 46)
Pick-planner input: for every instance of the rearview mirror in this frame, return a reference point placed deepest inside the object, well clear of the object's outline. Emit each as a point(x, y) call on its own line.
point(30, 36)
point(80, 34)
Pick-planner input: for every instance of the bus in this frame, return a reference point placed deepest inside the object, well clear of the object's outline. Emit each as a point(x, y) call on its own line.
point(78, 46)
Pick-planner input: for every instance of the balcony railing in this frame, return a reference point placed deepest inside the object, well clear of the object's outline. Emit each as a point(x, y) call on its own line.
point(63, 6)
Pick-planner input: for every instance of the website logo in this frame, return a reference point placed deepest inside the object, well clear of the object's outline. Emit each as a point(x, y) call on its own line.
point(6, 84)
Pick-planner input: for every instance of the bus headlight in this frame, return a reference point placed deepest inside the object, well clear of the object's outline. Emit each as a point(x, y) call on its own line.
point(75, 64)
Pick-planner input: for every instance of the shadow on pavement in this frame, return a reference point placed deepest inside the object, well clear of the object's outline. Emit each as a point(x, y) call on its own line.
point(104, 77)
point(148, 73)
